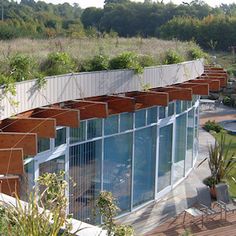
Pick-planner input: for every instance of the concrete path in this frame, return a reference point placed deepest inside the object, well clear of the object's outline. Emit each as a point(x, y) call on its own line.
point(180, 198)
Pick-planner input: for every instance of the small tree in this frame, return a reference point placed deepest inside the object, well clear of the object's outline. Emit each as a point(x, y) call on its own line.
point(108, 210)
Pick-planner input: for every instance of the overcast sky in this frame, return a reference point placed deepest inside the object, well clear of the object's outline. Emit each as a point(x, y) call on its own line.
point(99, 3)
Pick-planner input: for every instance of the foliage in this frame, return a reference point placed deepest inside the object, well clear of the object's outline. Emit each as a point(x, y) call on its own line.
point(99, 62)
point(196, 53)
point(35, 221)
point(146, 60)
point(108, 210)
point(126, 60)
point(57, 63)
point(228, 101)
point(172, 57)
point(221, 161)
point(212, 125)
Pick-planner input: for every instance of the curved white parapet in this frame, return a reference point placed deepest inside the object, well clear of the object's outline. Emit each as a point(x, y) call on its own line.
point(81, 85)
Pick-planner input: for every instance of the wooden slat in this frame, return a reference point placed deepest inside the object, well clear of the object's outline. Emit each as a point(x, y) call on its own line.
point(176, 93)
point(214, 84)
point(116, 104)
point(197, 88)
point(148, 99)
point(64, 117)
point(28, 142)
point(214, 74)
point(89, 109)
point(223, 80)
point(43, 127)
point(10, 185)
point(210, 67)
point(11, 161)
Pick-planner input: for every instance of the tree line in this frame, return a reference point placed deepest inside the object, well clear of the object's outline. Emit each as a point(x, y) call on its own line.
point(211, 28)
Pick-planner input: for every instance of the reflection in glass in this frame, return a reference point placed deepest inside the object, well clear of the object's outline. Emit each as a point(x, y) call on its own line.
point(126, 121)
point(162, 112)
point(117, 168)
point(165, 157)
point(151, 115)
point(144, 165)
point(78, 134)
point(111, 125)
point(171, 109)
point(85, 183)
point(43, 144)
point(180, 147)
point(94, 129)
point(140, 118)
point(61, 137)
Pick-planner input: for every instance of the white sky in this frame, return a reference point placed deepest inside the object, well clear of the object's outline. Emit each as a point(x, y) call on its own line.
point(99, 3)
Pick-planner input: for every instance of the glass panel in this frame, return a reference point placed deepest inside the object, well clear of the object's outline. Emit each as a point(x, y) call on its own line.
point(85, 172)
point(140, 118)
point(61, 137)
point(27, 182)
point(171, 109)
point(111, 125)
point(162, 112)
point(78, 134)
point(152, 115)
point(180, 147)
point(178, 106)
point(196, 131)
point(185, 106)
point(126, 121)
point(52, 166)
point(165, 157)
point(190, 133)
point(94, 128)
point(144, 165)
point(117, 169)
point(43, 144)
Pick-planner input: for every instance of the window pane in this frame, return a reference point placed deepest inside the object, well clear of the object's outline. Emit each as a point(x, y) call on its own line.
point(140, 118)
point(43, 144)
point(185, 105)
point(126, 121)
point(190, 132)
point(151, 115)
point(178, 106)
point(78, 134)
point(85, 172)
point(94, 128)
point(171, 109)
point(165, 157)
point(61, 137)
point(144, 165)
point(180, 147)
point(111, 125)
point(117, 169)
point(162, 112)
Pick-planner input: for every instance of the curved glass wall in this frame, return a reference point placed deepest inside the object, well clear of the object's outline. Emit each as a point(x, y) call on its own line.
point(137, 156)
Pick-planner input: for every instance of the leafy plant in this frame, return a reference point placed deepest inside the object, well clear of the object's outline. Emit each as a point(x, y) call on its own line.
point(228, 101)
point(57, 63)
point(146, 60)
point(172, 57)
point(220, 161)
point(126, 60)
point(196, 53)
point(108, 210)
point(212, 125)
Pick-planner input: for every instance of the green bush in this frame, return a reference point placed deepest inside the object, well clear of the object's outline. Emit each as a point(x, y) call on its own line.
point(97, 63)
point(228, 101)
point(126, 60)
point(212, 126)
point(196, 53)
point(172, 57)
point(58, 63)
point(146, 60)
point(21, 67)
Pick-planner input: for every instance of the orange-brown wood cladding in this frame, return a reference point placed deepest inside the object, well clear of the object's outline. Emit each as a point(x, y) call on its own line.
point(223, 80)
point(89, 109)
point(43, 127)
point(197, 88)
point(10, 185)
point(11, 161)
point(28, 142)
point(64, 117)
point(214, 84)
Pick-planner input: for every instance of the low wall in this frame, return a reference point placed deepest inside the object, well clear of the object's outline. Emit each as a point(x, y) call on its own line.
point(81, 85)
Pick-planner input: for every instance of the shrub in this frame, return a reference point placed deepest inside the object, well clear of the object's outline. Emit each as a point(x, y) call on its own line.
point(21, 67)
point(146, 60)
point(212, 126)
point(98, 63)
point(57, 63)
point(172, 57)
point(228, 101)
point(126, 60)
point(196, 53)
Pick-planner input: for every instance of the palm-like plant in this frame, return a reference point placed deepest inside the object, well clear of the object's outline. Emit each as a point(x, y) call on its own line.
point(221, 161)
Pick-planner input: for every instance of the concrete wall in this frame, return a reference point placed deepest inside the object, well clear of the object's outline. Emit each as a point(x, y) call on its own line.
point(82, 85)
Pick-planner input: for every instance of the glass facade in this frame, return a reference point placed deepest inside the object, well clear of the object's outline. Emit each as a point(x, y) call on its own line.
point(137, 156)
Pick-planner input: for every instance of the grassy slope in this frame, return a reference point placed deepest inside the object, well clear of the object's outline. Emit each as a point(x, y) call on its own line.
point(87, 48)
point(231, 138)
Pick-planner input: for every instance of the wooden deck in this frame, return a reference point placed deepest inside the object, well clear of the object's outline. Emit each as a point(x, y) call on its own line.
point(213, 226)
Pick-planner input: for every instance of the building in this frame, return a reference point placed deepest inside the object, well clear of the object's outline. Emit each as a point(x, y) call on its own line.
point(106, 133)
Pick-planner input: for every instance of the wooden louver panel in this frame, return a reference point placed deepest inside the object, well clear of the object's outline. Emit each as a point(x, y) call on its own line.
point(10, 185)
point(11, 161)
point(197, 88)
point(214, 84)
point(28, 142)
point(43, 127)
